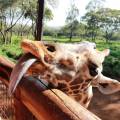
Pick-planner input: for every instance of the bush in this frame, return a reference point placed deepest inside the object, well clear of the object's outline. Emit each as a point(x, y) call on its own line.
point(11, 51)
point(112, 67)
point(112, 62)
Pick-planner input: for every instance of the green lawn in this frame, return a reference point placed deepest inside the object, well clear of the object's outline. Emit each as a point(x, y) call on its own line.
point(111, 64)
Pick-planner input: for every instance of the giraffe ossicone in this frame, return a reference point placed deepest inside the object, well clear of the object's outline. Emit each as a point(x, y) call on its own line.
point(73, 68)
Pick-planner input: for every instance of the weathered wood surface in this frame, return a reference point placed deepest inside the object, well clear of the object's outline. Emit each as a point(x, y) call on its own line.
point(46, 104)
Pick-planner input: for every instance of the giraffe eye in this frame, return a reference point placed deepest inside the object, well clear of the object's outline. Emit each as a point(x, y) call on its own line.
point(93, 69)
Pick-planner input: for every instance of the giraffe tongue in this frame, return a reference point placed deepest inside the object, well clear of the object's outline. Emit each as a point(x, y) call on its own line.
point(19, 70)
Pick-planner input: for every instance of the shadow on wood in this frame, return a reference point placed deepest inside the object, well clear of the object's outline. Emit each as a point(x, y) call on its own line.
point(45, 104)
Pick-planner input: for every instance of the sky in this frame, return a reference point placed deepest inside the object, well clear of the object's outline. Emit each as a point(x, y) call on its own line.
point(60, 11)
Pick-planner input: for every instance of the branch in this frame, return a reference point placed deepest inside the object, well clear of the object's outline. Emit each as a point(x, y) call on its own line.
point(14, 23)
point(2, 35)
point(12, 12)
point(25, 25)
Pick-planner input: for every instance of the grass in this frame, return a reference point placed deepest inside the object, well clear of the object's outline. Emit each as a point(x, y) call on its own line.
point(61, 39)
point(111, 63)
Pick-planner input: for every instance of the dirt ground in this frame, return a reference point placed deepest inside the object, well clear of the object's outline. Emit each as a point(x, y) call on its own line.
point(107, 107)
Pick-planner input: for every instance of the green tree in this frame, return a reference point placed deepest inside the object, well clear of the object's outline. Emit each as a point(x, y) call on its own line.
point(71, 19)
point(34, 12)
point(7, 3)
point(109, 21)
point(95, 5)
point(91, 18)
point(15, 11)
point(9, 16)
point(92, 21)
point(30, 9)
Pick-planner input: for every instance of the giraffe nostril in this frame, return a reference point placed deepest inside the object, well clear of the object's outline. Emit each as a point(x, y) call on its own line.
point(104, 85)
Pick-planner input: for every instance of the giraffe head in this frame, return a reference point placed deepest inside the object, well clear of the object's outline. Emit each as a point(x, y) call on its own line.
point(80, 58)
point(79, 61)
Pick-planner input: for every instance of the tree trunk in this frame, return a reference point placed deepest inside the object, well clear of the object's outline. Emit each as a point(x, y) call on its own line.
point(71, 34)
point(39, 20)
point(106, 36)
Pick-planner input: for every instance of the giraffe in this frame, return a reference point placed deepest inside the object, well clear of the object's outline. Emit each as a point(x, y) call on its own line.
point(71, 68)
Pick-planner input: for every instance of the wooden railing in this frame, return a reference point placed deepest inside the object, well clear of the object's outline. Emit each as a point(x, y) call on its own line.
point(31, 98)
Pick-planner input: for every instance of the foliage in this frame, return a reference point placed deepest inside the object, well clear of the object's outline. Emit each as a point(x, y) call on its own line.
point(49, 31)
point(29, 8)
point(92, 21)
point(12, 51)
point(105, 19)
point(91, 18)
point(95, 5)
point(71, 20)
point(4, 4)
point(74, 26)
point(109, 21)
point(112, 62)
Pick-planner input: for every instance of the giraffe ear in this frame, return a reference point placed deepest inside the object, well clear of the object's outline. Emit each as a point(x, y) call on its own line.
point(38, 49)
point(33, 47)
point(106, 52)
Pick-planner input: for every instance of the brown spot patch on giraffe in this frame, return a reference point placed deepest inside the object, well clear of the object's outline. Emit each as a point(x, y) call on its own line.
point(66, 90)
point(69, 92)
point(62, 85)
point(48, 75)
point(66, 64)
point(84, 86)
point(78, 98)
point(88, 80)
point(77, 81)
point(63, 77)
point(84, 67)
point(76, 91)
point(75, 86)
point(37, 68)
point(85, 100)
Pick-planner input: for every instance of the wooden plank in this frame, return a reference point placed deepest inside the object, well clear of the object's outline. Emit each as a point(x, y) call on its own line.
point(51, 105)
point(21, 112)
